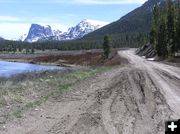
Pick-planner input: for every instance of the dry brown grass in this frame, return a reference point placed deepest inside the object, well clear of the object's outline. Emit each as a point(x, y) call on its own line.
point(26, 91)
point(84, 59)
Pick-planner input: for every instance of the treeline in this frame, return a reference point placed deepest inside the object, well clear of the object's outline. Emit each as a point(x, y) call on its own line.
point(117, 41)
point(16, 46)
point(165, 30)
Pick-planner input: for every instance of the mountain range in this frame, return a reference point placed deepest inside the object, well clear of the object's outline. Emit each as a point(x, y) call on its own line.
point(137, 21)
point(44, 33)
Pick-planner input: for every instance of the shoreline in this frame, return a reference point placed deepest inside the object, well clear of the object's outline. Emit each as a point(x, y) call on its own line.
point(37, 63)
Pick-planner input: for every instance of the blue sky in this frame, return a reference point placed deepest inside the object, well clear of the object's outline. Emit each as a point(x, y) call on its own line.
point(16, 16)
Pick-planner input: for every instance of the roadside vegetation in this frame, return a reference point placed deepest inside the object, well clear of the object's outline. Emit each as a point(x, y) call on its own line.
point(24, 93)
point(90, 58)
point(165, 31)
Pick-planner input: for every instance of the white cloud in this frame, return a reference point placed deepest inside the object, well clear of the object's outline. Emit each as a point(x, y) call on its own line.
point(13, 30)
point(9, 18)
point(12, 27)
point(99, 2)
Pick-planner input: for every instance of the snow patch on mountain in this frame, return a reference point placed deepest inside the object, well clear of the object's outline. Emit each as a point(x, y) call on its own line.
point(37, 32)
point(41, 33)
point(96, 23)
point(84, 27)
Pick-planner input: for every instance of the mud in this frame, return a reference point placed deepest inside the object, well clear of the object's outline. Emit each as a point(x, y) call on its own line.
point(133, 99)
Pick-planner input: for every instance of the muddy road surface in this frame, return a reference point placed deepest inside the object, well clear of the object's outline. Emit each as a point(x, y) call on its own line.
point(134, 99)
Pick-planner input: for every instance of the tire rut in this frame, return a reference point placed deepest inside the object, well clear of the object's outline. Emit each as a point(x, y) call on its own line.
point(126, 100)
point(106, 115)
point(149, 107)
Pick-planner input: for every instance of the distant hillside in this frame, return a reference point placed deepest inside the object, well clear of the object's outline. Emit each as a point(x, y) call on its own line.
point(137, 21)
point(1, 39)
point(132, 30)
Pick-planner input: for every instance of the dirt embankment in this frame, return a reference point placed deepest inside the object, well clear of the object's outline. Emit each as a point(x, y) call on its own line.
point(121, 101)
point(84, 58)
point(136, 98)
point(148, 51)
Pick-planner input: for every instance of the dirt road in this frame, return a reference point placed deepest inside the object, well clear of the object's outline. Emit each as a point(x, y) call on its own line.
point(136, 98)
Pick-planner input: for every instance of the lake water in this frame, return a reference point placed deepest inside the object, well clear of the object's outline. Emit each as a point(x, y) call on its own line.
point(11, 68)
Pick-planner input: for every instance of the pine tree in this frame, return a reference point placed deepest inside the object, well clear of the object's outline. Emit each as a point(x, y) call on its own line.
point(153, 35)
point(32, 50)
point(171, 28)
point(161, 46)
point(106, 47)
point(27, 50)
point(178, 26)
point(155, 26)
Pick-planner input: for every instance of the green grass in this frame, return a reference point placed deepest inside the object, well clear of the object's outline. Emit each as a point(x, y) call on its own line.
point(2, 101)
point(32, 93)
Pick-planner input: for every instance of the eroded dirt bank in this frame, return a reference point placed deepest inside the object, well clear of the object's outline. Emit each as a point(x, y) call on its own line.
point(136, 98)
point(67, 58)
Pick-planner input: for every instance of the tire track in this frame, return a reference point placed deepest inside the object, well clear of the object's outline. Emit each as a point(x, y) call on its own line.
point(134, 99)
point(106, 115)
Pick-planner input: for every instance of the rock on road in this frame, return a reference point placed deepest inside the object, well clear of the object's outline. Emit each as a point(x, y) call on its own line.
point(134, 99)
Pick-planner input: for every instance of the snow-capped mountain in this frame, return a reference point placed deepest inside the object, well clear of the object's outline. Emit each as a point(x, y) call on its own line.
point(83, 28)
point(57, 32)
point(41, 33)
point(37, 32)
